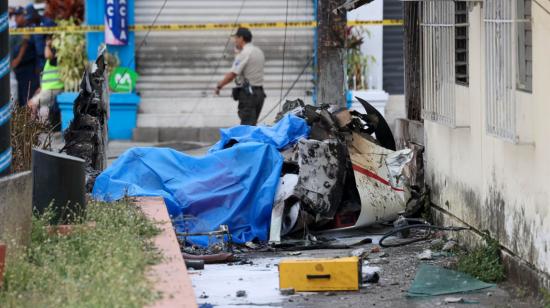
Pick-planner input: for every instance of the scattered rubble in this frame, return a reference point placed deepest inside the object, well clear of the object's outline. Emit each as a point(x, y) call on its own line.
point(426, 255)
point(288, 291)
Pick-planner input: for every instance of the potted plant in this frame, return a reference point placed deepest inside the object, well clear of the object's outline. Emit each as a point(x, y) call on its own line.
point(357, 67)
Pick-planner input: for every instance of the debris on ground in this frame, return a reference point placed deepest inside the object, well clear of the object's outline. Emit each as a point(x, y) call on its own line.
point(450, 245)
point(360, 253)
point(454, 300)
point(426, 255)
point(241, 293)
point(288, 291)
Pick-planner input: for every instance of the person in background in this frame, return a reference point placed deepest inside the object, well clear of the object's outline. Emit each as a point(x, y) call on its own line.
point(23, 62)
point(248, 73)
point(44, 102)
point(33, 19)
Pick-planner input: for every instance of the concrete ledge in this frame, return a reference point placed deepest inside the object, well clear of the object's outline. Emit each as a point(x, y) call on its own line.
point(16, 208)
point(517, 270)
point(170, 276)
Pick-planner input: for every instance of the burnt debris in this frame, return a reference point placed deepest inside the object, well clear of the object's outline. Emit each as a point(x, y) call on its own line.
point(86, 136)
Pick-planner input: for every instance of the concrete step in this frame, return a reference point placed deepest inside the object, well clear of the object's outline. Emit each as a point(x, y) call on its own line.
point(206, 113)
point(205, 78)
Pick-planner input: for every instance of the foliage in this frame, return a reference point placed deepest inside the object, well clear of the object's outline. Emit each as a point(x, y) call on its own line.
point(65, 9)
point(27, 132)
point(71, 55)
point(101, 266)
point(483, 262)
point(545, 297)
point(357, 63)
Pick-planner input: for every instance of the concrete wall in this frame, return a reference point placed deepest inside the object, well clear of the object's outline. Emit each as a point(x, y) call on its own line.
point(486, 182)
point(16, 208)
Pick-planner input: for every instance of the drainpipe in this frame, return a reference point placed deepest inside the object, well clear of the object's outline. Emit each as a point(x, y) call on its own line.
point(5, 102)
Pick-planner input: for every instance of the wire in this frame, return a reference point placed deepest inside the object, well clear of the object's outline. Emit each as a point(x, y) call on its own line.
point(218, 64)
point(422, 225)
point(288, 91)
point(284, 53)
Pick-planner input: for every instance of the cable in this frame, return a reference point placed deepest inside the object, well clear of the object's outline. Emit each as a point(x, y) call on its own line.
point(423, 225)
point(218, 64)
point(284, 53)
point(288, 91)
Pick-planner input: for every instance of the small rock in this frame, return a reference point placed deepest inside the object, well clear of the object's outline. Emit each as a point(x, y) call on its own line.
point(450, 245)
point(426, 255)
point(375, 249)
point(489, 294)
point(294, 253)
point(371, 277)
point(454, 300)
point(395, 283)
point(268, 265)
point(437, 242)
point(330, 293)
point(203, 295)
point(360, 253)
point(290, 300)
point(383, 255)
point(288, 291)
point(241, 293)
point(240, 279)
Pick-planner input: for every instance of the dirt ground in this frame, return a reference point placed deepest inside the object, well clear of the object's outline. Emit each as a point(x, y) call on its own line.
point(260, 282)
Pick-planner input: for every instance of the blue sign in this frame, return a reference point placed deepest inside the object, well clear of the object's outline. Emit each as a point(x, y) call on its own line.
point(116, 22)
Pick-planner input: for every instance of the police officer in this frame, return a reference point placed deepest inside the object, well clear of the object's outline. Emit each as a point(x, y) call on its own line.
point(248, 73)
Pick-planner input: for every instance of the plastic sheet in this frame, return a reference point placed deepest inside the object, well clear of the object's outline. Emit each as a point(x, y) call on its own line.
point(284, 133)
point(235, 186)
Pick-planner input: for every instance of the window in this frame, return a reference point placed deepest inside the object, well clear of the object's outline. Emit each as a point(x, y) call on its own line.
point(508, 63)
point(525, 45)
point(438, 62)
point(461, 42)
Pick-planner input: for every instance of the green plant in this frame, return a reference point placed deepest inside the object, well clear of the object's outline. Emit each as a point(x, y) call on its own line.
point(71, 55)
point(357, 64)
point(101, 266)
point(483, 262)
point(545, 297)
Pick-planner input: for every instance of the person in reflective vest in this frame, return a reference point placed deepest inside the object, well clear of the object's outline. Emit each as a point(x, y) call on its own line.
point(50, 85)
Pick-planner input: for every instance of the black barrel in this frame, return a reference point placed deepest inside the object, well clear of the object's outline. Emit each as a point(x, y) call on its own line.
point(5, 103)
point(59, 180)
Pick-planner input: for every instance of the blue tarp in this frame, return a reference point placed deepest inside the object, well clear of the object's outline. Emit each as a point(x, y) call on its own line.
point(235, 186)
point(285, 132)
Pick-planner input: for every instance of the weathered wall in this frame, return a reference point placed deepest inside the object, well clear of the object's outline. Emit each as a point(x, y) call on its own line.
point(16, 208)
point(489, 183)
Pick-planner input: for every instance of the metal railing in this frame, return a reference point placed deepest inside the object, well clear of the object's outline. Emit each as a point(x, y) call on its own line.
point(438, 62)
point(500, 69)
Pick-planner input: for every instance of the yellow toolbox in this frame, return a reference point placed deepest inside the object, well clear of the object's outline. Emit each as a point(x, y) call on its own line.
point(339, 274)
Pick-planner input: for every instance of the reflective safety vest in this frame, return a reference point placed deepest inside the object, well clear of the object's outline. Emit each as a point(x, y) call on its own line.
point(50, 78)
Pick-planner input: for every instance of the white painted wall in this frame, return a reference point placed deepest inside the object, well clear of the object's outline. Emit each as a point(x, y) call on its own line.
point(373, 45)
point(487, 182)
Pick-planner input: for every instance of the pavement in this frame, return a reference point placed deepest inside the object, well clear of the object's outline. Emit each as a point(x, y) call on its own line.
point(217, 285)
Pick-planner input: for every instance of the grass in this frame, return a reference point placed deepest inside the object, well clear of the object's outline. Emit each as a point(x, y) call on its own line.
point(483, 262)
point(93, 267)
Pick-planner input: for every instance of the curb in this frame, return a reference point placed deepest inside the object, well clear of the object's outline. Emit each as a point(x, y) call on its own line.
point(170, 276)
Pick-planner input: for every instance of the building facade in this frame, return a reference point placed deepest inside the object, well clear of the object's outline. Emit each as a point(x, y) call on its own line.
point(485, 97)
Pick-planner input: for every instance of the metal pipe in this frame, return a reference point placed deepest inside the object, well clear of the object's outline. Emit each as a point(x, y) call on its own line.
point(5, 101)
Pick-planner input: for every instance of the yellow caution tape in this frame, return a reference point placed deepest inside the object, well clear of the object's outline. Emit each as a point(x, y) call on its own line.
point(200, 27)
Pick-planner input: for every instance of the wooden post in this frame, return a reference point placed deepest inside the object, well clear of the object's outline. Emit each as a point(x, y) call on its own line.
point(413, 63)
point(5, 98)
point(331, 38)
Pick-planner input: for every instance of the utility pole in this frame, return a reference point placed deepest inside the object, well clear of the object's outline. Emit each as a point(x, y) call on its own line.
point(331, 40)
point(5, 110)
